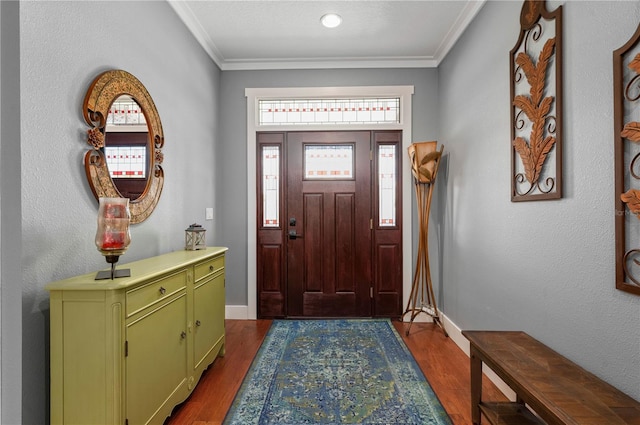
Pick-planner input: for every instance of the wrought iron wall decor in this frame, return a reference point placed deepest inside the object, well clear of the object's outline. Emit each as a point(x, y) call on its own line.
point(626, 112)
point(536, 105)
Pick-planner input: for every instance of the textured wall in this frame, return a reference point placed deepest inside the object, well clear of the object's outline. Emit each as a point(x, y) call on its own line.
point(544, 267)
point(64, 45)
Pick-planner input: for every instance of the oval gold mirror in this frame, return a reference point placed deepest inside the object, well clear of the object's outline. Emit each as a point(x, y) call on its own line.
point(126, 138)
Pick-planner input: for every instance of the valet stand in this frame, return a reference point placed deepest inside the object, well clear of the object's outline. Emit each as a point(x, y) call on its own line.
point(425, 160)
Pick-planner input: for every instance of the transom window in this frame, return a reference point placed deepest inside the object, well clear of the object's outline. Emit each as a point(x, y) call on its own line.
point(125, 111)
point(329, 111)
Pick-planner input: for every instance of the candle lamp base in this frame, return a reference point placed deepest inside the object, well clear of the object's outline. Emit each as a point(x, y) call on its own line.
point(112, 273)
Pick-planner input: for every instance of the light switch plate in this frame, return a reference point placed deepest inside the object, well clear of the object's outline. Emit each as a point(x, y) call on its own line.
point(208, 214)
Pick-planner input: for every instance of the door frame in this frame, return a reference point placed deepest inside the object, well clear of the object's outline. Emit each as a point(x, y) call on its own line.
point(254, 95)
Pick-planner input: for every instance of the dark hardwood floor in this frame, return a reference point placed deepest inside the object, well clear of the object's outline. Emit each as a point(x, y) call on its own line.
point(442, 362)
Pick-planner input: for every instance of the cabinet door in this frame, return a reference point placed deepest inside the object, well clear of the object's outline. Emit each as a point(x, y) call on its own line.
point(209, 321)
point(156, 362)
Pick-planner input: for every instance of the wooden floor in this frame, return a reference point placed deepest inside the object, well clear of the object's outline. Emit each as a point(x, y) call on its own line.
point(443, 363)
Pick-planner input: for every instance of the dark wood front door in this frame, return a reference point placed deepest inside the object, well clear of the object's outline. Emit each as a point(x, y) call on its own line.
point(328, 219)
point(324, 249)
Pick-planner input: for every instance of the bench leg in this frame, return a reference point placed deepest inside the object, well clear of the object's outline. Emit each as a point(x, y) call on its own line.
point(476, 386)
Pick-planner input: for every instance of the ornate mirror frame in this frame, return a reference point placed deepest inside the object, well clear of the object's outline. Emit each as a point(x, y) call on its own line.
point(106, 88)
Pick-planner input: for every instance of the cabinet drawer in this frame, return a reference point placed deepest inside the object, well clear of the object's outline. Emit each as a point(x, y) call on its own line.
point(209, 267)
point(146, 295)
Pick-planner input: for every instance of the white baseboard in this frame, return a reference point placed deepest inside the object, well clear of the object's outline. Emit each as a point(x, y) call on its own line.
point(236, 312)
point(241, 312)
point(455, 333)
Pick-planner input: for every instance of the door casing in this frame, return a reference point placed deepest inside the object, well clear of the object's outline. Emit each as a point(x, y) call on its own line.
point(253, 95)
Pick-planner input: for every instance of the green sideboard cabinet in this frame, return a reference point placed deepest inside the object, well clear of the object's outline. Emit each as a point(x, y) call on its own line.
point(127, 351)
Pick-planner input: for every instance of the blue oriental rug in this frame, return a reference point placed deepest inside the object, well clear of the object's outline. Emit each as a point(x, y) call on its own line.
point(335, 372)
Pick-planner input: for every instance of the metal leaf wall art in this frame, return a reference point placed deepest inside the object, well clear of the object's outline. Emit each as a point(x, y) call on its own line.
point(536, 107)
point(631, 132)
point(626, 82)
point(536, 113)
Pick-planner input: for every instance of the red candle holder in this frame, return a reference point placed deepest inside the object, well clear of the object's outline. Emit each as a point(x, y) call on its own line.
point(112, 236)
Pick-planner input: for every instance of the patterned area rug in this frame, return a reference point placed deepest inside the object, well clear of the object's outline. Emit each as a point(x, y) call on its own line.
point(335, 372)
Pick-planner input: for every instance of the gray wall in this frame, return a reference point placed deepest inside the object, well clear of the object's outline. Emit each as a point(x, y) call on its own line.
point(232, 223)
point(10, 275)
point(543, 267)
point(63, 46)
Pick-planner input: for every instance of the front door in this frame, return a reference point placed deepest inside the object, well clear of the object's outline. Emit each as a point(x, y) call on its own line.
point(328, 218)
point(329, 230)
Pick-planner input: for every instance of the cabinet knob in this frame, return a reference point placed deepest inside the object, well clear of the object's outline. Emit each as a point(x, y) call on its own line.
point(211, 268)
point(162, 290)
point(183, 334)
point(198, 323)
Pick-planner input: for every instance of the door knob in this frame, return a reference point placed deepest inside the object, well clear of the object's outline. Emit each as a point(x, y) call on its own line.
point(294, 235)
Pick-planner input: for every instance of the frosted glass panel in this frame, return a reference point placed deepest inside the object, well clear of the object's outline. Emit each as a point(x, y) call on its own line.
point(387, 185)
point(126, 161)
point(329, 111)
point(271, 186)
point(328, 162)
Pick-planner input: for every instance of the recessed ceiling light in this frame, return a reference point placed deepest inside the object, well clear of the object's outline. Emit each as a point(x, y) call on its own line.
point(331, 20)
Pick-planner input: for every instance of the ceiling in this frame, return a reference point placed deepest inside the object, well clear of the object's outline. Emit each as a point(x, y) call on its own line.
point(280, 34)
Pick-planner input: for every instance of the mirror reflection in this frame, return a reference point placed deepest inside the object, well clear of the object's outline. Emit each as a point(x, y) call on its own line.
point(126, 145)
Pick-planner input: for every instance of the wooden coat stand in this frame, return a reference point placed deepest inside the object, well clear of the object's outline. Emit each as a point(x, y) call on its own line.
point(425, 160)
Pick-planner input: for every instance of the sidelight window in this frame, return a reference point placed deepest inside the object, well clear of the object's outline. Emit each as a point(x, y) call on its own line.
point(271, 186)
point(387, 185)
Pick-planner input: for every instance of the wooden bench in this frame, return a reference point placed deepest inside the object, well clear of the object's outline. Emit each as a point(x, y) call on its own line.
point(557, 390)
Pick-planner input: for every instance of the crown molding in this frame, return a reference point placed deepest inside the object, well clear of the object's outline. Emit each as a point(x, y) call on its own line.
point(192, 23)
point(464, 19)
point(330, 63)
